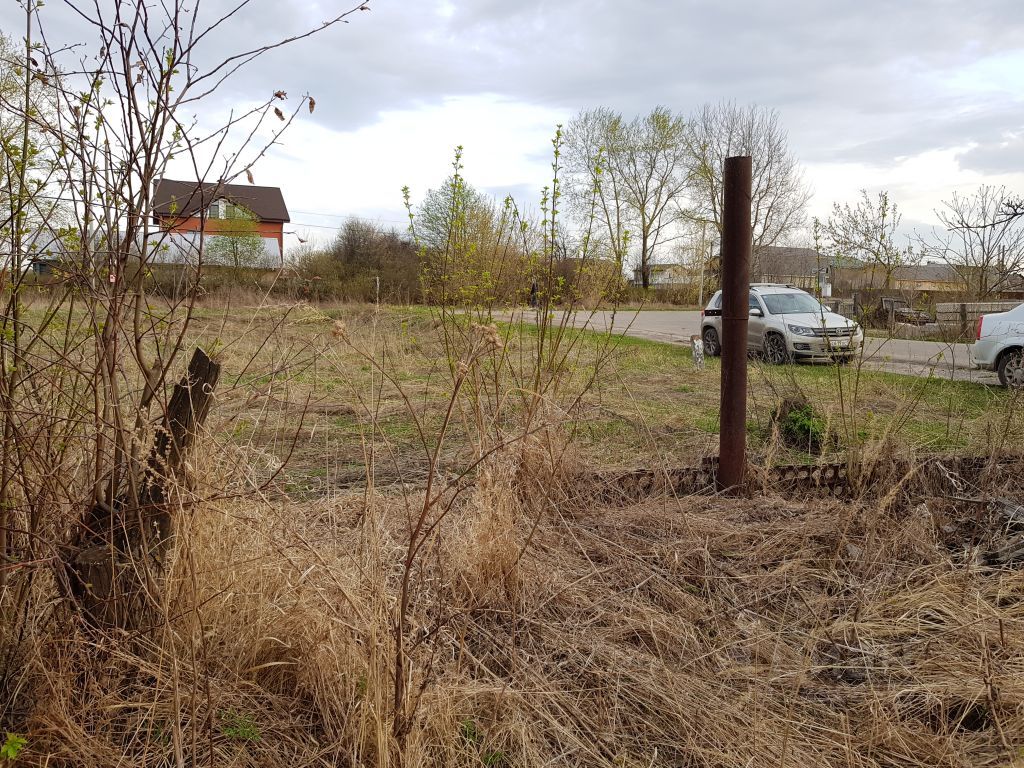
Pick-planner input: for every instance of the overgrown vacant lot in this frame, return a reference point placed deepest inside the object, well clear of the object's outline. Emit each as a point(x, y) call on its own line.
point(351, 589)
point(319, 399)
point(691, 631)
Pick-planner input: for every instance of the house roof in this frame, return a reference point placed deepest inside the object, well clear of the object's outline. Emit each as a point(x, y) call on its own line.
point(1013, 282)
point(927, 273)
point(783, 260)
point(187, 198)
point(848, 262)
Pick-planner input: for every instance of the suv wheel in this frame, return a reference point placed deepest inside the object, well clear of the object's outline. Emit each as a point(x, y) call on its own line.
point(1011, 369)
point(711, 344)
point(775, 351)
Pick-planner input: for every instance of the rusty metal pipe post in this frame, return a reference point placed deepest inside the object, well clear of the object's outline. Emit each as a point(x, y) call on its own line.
point(736, 244)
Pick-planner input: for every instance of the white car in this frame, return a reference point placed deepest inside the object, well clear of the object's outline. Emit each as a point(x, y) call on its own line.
point(1000, 346)
point(786, 323)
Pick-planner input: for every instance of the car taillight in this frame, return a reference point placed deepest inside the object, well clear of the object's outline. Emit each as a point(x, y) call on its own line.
point(981, 319)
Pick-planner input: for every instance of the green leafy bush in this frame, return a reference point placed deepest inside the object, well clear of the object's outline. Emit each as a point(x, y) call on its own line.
point(801, 427)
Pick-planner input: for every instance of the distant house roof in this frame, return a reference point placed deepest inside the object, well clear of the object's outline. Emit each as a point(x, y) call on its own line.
point(1013, 282)
point(848, 262)
point(783, 260)
point(927, 273)
point(44, 243)
point(188, 198)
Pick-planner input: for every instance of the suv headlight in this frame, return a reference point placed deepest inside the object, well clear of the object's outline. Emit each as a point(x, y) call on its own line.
point(801, 330)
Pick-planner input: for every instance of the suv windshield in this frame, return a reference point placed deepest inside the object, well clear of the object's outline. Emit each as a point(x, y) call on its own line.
point(790, 303)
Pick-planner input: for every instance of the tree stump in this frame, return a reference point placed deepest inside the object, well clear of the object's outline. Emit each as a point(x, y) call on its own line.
point(117, 563)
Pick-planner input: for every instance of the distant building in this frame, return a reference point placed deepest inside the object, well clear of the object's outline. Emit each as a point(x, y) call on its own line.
point(664, 276)
point(801, 267)
point(184, 208)
point(910, 278)
point(1012, 287)
point(930, 278)
point(46, 251)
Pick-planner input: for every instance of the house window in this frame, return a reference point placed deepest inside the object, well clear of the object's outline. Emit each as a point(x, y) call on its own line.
point(223, 209)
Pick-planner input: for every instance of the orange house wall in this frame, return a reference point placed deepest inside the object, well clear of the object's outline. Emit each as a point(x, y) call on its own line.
point(274, 229)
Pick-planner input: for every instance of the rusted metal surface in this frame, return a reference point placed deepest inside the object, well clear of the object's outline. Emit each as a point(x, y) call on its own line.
point(834, 479)
point(638, 484)
point(736, 245)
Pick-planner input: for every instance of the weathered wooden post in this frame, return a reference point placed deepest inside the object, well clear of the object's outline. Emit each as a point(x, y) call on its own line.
point(118, 559)
point(736, 245)
point(964, 330)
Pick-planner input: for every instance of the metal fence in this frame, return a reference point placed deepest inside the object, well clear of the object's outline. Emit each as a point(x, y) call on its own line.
point(843, 307)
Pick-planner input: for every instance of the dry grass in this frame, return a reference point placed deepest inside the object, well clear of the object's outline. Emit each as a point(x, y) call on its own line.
point(543, 628)
point(694, 631)
point(650, 406)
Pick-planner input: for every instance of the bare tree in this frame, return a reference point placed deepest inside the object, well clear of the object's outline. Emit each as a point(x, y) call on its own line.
point(469, 254)
point(867, 231)
point(639, 171)
point(654, 174)
point(718, 131)
point(79, 410)
point(596, 189)
point(981, 238)
point(448, 206)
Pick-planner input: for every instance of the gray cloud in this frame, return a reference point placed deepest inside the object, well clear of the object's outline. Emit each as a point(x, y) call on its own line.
point(866, 81)
point(952, 123)
point(1002, 156)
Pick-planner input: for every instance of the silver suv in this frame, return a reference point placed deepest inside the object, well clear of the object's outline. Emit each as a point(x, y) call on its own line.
point(786, 324)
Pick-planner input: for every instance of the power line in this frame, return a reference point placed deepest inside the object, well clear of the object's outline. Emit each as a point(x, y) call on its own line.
point(332, 227)
point(352, 216)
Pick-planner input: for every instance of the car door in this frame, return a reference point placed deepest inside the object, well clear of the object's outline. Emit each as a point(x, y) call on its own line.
point(755, 323)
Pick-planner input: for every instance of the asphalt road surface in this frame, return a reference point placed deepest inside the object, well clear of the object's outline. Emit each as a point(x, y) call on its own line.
point(915, 358)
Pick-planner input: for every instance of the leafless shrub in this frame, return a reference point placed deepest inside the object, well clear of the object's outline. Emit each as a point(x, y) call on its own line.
point(92, 476)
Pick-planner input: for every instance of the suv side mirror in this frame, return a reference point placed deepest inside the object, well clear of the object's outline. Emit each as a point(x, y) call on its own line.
point(756, 312)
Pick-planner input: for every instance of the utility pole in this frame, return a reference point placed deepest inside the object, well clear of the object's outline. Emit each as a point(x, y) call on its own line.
point(703, 261)
point(737, 237)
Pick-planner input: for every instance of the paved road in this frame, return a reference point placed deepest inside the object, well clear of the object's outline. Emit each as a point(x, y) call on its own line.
point(916, 358)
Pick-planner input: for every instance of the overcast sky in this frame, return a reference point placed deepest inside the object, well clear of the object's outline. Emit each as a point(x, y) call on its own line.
point(920, 97)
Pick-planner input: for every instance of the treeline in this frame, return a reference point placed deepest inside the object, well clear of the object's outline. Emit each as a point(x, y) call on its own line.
point(364, 262)
point(368, 262)
point(634, 206)
point(462, 248)
point(626, 194)
point(649, 188)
